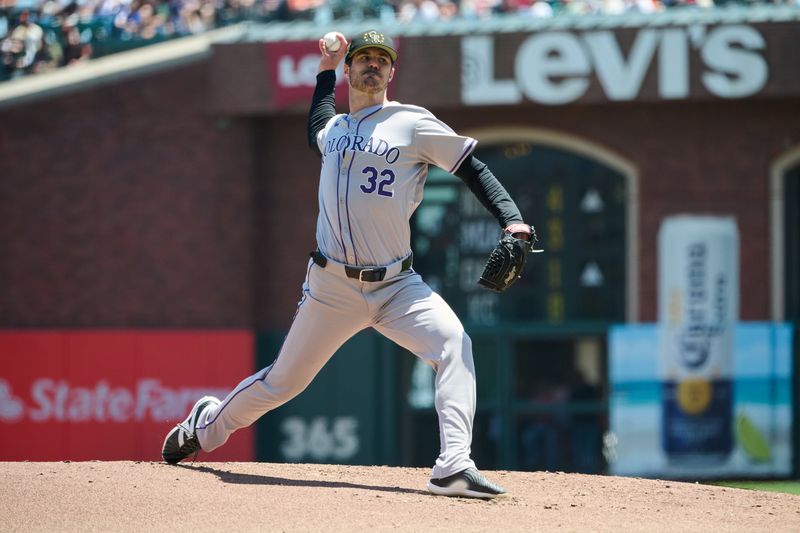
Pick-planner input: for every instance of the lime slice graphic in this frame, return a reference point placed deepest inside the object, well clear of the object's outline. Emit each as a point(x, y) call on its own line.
point(752, 440)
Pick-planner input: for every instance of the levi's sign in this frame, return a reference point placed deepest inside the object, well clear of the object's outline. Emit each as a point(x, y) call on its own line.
point(556, 68)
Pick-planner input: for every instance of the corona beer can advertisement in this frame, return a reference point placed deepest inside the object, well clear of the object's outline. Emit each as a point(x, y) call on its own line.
point(697, 315)
point(698, 394)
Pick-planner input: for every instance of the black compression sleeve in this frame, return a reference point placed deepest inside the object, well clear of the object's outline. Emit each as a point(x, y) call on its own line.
point(489, 191)
point(323, 106)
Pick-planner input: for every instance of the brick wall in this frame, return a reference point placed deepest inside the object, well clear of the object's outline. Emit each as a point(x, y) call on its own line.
point(126, 205)
point(287, 175)
point(135, 205)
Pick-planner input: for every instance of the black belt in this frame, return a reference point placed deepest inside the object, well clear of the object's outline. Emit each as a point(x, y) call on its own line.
point(370, 274)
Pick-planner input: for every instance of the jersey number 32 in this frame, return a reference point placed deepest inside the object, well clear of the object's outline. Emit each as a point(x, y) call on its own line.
point(383, 186)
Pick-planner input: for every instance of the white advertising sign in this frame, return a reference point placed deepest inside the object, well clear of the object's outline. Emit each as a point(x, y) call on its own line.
point(555, 68)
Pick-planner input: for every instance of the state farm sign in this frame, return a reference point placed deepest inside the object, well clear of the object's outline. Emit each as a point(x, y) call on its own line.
point(113, 395)
point(555, 68)
point(58, 400)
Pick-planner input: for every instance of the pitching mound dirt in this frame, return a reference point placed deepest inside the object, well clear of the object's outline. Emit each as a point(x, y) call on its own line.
point(205, 497)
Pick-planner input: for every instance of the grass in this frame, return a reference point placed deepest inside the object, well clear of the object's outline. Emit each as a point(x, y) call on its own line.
point(789, 487)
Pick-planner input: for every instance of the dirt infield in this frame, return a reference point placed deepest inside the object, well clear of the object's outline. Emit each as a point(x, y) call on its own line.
point(154, 497)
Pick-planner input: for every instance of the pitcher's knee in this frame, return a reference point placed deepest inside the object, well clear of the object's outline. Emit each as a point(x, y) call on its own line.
point(458, 346)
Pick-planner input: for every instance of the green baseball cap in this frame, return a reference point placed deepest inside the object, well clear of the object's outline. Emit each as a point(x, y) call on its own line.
point(371, 39)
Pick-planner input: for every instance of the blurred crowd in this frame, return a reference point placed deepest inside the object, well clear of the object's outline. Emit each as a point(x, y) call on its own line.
point(41, 35)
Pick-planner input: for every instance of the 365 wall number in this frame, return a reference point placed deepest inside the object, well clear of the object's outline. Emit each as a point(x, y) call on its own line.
point(321, 438)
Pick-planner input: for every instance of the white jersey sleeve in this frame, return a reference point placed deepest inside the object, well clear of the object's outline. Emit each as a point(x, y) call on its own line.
point(439, 145)
point(321, 134)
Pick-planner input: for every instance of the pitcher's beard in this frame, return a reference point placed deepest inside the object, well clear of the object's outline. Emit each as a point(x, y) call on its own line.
point(371, 85)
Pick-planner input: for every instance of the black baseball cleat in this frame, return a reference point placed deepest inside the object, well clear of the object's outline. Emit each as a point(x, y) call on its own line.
point(468, 483)
point(181, 442)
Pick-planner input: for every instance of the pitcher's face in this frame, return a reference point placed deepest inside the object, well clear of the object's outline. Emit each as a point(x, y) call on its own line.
point(370, 71)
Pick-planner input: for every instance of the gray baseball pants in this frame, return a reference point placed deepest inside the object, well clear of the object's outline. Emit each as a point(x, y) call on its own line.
point(334, 308)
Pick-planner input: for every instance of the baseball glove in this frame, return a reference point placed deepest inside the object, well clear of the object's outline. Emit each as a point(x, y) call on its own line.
point(506, 261)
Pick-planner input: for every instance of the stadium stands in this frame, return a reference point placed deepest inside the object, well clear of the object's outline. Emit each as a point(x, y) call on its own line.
point(42, 35)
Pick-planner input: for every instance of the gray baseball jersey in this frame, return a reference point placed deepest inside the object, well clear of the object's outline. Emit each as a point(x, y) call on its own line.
point(374, 167)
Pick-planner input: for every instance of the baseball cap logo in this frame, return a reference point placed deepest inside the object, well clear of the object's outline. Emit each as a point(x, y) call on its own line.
point(374, 37)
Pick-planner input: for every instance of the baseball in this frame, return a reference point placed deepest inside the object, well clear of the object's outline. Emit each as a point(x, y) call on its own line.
point(331, 41)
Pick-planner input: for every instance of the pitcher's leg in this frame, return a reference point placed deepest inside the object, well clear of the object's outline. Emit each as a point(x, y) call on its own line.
point(316, 333)
point(419, 320)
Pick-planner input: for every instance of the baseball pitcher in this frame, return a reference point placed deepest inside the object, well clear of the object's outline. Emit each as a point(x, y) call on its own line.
point(375, 161)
